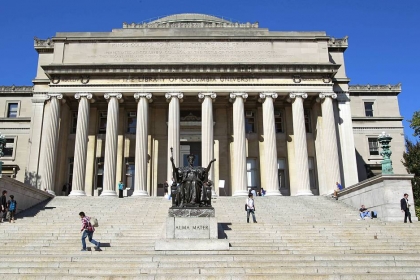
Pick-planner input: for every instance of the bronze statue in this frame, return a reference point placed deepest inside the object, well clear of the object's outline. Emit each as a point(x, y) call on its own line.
point(191, 186)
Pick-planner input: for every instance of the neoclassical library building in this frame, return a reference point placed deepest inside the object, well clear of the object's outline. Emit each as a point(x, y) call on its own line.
point(274, 108)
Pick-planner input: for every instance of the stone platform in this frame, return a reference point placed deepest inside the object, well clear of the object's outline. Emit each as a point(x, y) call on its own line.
point(190, 229)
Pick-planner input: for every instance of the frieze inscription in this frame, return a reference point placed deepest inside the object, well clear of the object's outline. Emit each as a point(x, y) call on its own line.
point(147, 52)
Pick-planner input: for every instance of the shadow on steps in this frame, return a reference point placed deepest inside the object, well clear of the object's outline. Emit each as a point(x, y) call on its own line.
point(34, 210)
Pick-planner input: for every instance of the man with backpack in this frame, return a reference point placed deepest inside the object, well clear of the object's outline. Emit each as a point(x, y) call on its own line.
point(88, 229)
point(11, 206)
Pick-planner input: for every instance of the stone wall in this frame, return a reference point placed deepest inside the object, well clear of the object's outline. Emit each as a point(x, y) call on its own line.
point(25, 196)
point(381, 193)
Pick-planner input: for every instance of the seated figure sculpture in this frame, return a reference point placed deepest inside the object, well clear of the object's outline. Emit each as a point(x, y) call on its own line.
point(191, 187)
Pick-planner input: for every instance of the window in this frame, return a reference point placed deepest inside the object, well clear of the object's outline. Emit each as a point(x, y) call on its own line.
point(131, 122)
point(73, 122)
point(278, 119)
point(9, 147)
point(281, 171)
point(311, 168)
point(102, 122)
point(369, 109)
point(251, 172)
point(12, 110)
point(70, 178)
point(129, 174)
point(373, 146)
point(249, 122)
point(99, 172)
point(308, 124)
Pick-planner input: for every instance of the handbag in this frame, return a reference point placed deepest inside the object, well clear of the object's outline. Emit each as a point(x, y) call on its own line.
point(246, 208)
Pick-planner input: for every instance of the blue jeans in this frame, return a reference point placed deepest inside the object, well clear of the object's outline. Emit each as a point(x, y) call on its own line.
point(253, 215)
point(89, 235)
point(365, 214)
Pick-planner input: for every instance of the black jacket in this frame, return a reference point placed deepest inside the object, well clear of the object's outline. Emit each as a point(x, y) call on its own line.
point(404, 204)
point(4, 201)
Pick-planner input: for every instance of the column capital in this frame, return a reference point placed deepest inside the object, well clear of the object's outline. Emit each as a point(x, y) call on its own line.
point(113, 94)
point(293, 95)
point(203, 95)
point(56, 95)
point(146, 95)
point(264, 95)
point(331, 94)
point(83, 94)
point(170, 95)
point(234, 95)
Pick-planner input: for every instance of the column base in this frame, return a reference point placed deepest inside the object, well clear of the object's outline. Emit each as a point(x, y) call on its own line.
point(77, 193)
point(140, 193)
point(108, 193)
point(241, 193)
point(51, 192)
point(272, 193)
point(303, 193)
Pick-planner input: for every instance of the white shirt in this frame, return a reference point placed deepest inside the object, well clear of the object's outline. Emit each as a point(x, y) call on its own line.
point(250, 203)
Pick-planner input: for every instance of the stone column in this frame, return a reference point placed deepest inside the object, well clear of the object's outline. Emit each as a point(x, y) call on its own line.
point(329, 145)
point(270, 145)
point(173, 130)
point(348, 150)
point(239, 145)
point(207, 139)
point(49, 142)
point(301, 150)
point(80, 148)
point(140, 174)
point(111, 140)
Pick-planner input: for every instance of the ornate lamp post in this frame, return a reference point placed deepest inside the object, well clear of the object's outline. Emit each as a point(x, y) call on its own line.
point(2, 144)
point(384, 139)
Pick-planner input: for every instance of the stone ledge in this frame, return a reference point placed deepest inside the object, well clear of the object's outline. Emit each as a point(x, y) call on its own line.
point(192, 245)
point(191, 212)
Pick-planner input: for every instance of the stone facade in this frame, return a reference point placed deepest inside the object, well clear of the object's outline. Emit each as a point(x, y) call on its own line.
point(274, 108)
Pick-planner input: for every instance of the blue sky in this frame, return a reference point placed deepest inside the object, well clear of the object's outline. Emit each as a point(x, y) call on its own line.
point(384, 36)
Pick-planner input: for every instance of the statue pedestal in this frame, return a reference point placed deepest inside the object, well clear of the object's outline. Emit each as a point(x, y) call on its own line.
point(191, 229)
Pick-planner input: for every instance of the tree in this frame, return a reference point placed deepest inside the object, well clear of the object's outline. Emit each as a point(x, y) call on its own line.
point(412, 164)
point(415, 123)
point(412, 156)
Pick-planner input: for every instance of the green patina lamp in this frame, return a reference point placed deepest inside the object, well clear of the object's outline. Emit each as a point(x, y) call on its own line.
point(384, 139)
point(2, 145)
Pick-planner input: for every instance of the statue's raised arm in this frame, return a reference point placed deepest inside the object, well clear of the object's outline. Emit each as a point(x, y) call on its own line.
point(209, 166)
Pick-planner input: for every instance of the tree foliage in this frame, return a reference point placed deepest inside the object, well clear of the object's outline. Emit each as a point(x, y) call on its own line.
point(411, 156)
point(412, 163)
point(415, 123)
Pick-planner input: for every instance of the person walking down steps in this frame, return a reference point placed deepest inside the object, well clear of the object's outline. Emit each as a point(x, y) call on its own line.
point(88, 229)
point(250, 208)
point(121, 189)
point(11, 208)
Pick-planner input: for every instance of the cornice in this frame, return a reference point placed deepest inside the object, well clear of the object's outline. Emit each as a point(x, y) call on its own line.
point(375, 88)
point(367, 119)
point(16, 90)
point(15, 119)
point(43, 45)
point(85, 70)
point(338, 43)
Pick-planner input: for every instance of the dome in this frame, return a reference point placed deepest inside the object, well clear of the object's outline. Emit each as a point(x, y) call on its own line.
point(183, 18)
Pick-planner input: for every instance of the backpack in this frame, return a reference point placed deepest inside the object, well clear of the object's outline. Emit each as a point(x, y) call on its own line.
point(12, 205)
point(94, 222)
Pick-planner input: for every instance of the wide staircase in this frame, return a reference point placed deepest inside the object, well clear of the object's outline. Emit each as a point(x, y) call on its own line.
point(295, 238)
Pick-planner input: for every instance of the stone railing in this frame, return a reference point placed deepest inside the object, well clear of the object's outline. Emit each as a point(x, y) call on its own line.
point(368, 87)
point(340, 43)
point(13, 88)
point(198, 24)
point(25, 196)
point(381, 193)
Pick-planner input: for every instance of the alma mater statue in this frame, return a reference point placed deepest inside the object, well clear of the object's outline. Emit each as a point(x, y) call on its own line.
point(191, 186)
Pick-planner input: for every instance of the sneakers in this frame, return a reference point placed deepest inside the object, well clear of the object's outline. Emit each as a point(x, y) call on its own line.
point(97, 247)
